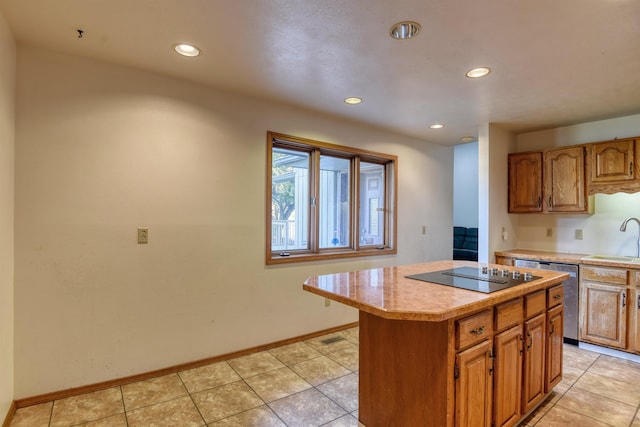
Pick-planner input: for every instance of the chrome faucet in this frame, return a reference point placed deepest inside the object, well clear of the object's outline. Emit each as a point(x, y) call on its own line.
point(623, 227)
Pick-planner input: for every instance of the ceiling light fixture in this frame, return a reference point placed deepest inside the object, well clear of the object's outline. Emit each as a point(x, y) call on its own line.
point(405, 30)
point(466, 139)
point(436, 126)
point(353, 100)
point(478, 72)
point(186, 49)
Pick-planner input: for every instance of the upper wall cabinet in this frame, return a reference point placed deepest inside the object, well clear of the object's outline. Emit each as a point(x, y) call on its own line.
point(612, 161)
point(564, 180)
point(525, 182)
point(614, 166)
point(548, 181)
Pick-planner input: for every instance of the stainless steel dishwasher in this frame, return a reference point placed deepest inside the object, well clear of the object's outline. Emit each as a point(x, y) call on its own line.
point(571, 294)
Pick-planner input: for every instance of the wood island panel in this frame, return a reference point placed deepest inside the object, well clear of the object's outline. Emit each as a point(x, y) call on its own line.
point(401, 364)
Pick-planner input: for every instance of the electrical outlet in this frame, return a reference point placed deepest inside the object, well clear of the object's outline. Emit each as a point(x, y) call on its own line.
point(424, 229)
point(578, 233)
point(327, 302)
point(549, 232)
point(143, 235)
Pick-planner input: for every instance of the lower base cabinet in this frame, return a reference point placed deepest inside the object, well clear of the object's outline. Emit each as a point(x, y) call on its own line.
point(499, 380)
point(474, 385)
point(508, 377)
point(603, 306)
point(555, 325)
point(635, 321)
point(534, 362)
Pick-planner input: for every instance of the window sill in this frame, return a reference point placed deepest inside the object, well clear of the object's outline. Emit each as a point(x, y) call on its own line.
point(293, 257)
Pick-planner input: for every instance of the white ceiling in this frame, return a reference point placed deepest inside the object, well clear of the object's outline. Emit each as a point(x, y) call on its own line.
point(554, 62)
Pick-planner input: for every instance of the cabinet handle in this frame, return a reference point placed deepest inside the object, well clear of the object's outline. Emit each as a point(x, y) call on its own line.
point(530, 340)
point(638, 302)
point(550, 202)
point(558, 296)
point(624, 299)
point(553, 327)
point(630, 168)
point(522, 341)
point(539, 201)
point(478, 331)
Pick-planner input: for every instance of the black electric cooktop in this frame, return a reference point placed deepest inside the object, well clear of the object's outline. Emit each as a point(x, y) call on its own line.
point(482, 279)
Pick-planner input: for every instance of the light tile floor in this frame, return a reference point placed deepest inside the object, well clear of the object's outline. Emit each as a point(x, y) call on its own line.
point(310, 383)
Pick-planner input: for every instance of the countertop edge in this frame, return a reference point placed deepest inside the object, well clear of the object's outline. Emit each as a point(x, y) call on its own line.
point(562, 257)
point(492, 299)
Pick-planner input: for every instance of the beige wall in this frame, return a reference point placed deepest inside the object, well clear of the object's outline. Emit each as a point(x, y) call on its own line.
point(102, 150)
point(494, 144)
point(7, 143)
point(601, 230)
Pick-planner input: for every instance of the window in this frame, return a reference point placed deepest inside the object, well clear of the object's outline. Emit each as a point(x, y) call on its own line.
point(328, 201)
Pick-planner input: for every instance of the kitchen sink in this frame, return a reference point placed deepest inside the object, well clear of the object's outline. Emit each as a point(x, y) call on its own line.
point(612, 258)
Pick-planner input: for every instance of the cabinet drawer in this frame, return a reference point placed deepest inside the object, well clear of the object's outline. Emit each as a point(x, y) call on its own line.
point(473, 329)
point(508, 314)
point(608, 275)
point(534, 303)
point(555, 295)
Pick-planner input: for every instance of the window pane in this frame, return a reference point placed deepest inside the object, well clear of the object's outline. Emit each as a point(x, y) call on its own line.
point(334, 202)
point(372, 204)
point(289, 200)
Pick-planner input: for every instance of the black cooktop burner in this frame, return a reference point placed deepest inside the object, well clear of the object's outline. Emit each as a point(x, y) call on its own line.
point(484, 280)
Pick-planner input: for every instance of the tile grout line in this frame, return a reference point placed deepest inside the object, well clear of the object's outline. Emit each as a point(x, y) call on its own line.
point(124, 408)
point(51, 413)
point(578, 388)
point(252, 389)
point(192, 401)
point(566, 391)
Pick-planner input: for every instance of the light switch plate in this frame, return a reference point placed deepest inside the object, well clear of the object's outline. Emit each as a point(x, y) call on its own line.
point(143, 235)
point(578, 234)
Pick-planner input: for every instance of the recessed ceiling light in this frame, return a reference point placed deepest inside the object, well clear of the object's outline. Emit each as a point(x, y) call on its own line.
point(436, 126)
point(353, 100)
point(186, 49)
point(478, 72)
point(405, 30)
point(467, 139)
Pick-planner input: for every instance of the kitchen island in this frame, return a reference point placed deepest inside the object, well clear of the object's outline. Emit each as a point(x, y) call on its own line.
point(435, 355)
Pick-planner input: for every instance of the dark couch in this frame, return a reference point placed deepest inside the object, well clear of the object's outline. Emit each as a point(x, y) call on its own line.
point(465, 243)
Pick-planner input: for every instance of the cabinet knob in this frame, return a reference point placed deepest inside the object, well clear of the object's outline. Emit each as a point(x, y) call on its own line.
point(478, 331)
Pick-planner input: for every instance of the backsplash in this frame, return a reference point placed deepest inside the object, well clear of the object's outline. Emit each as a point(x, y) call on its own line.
point(600, 232)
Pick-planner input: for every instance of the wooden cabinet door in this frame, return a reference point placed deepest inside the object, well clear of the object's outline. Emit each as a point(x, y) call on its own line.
point(603, 314)
point(555, 323)
point(507, 377)
point(525, 182)
point(612, 161)
point(564, 180)
point(534, 363)
point(634, 320)
point(473, 386)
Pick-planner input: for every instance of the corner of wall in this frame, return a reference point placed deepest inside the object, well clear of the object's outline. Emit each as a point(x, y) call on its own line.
point(7, 179)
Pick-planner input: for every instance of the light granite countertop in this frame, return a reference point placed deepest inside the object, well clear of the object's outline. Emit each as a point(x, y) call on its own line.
point(566, 257)
point(388, 293)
